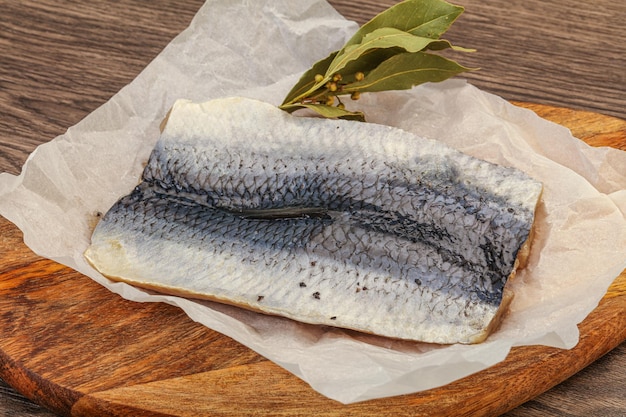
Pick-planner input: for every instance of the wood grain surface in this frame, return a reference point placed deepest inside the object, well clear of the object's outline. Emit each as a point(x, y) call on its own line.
point(61, 59)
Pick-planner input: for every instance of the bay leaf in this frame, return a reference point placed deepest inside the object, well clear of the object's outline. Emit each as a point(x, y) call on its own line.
point(427, 18)
point(403, 71)
point(442, 44)
point(367, 62)
point(389, 38)
point(383, 38)
point(331, 112)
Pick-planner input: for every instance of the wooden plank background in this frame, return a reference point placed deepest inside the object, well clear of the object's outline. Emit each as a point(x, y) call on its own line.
point(61, 59)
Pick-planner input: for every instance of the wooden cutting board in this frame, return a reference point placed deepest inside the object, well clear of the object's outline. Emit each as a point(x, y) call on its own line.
point(74, 347)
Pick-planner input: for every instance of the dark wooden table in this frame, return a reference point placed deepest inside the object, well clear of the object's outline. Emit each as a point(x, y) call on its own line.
point(61, 59)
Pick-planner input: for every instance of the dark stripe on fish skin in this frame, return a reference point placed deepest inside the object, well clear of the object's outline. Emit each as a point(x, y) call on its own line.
point(430, 235)
point(148, 212)
point(316, 184)
point(315, 187)
point(318, 196)
point(282, 213)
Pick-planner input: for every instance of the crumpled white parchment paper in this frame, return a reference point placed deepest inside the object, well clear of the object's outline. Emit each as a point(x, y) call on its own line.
point(580, 246)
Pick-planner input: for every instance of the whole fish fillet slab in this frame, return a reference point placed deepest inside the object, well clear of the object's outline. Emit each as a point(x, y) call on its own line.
point(340, 223)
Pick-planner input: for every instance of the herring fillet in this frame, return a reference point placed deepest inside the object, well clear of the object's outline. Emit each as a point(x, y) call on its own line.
point(332, 222)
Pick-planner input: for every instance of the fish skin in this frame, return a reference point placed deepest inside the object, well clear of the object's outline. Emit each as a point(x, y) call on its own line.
point(353, 225)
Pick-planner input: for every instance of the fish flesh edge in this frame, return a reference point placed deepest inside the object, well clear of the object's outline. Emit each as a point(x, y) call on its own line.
point(332, 222)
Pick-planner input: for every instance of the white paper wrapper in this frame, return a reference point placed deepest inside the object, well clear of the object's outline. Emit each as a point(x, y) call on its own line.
point(579, 249)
